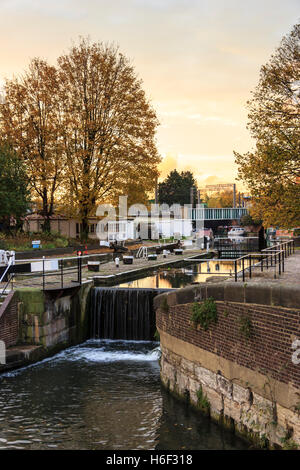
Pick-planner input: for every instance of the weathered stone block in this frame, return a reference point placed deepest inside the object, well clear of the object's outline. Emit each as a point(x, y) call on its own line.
point(214, 398)
point(185, 296)
point(224, 386)
point(287, 296)
point(216, 291)
point(234, 292)
point(231, 409)
point(240, 394)
point(205, 376)
point(258, 294)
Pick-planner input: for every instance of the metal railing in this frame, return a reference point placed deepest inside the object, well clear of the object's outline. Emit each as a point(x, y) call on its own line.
point(62, 272)
point(206, 213)
point(9, 281)
point(68, 271)
point(272, 257)
point(10, 277)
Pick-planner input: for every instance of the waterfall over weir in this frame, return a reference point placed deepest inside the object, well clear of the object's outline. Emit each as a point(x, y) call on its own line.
point(123, 313)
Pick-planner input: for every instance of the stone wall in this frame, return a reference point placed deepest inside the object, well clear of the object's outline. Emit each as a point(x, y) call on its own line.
point(52, 318)
point(36, 324)
point(244, 377)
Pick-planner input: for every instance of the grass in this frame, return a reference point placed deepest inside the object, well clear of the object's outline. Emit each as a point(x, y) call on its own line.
point(23, 241)
point(202, 401)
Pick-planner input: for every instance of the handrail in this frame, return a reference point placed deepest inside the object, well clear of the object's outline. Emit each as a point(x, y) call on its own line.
point(6, 285)
point(265, 254)
point(67, 258)
point(6, 270)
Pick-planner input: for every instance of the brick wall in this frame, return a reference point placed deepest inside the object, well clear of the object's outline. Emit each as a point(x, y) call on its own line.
point(9, 321)
point(268, 350)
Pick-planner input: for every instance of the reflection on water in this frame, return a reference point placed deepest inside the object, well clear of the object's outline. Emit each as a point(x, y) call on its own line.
point(100, 395)
point(181, 277)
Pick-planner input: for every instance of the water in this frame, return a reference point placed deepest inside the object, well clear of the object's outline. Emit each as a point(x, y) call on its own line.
point(122, 313)
point(103, 395)
point(174, 278)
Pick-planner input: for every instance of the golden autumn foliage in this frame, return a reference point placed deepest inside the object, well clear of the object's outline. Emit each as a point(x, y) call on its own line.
point(272, 170)
point(84, 127)
point(221, 199)
point(31, 124)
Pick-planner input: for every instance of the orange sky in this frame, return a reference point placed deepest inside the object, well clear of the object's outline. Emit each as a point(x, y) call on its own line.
point(198, 59)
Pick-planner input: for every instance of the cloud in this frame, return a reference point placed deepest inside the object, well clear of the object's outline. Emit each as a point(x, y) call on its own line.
point(199, 61)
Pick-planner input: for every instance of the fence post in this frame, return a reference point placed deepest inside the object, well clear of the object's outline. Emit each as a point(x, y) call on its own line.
point(250, 271)
point(43, 272)
point(279, 263)
point(62, 273)
point(243, 267)
point(80, 265)
point(235, 271)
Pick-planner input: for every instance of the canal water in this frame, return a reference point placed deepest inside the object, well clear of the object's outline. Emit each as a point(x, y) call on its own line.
point(175, 278)
point(103, 395)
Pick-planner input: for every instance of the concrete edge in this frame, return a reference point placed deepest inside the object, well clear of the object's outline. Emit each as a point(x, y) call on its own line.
point(282, 294)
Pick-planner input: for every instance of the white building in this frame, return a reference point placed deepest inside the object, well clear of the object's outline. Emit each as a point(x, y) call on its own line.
point(144, 228)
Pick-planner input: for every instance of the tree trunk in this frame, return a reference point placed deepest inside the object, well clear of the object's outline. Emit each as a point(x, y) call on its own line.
point(46, 226)
point(84, 235)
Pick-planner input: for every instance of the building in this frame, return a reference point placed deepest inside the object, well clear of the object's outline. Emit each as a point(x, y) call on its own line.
point(119, 229)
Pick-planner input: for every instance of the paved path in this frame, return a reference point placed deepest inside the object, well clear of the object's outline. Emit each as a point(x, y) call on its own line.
point(106, 269)
point(291, 271)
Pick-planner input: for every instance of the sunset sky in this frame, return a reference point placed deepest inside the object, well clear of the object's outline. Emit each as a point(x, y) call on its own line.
point(198, 59)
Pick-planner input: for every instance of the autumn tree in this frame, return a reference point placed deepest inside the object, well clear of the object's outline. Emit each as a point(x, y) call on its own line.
point(30, 121)
point(272, 170)
point(219, 199)
point(176, 188)
point(109, 125)
point(14, 190)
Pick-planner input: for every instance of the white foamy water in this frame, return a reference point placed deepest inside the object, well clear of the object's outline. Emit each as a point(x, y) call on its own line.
point(112, 351)
point(99, 355)
point(99, 351)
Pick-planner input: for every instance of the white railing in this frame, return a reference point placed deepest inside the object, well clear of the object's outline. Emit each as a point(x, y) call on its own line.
point(206, 213)
point(142, 252)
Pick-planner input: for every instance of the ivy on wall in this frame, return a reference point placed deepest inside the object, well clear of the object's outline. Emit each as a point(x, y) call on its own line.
point(204, 314)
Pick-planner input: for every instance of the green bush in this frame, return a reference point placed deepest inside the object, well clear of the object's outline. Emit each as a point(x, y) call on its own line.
point(61, 242)
point(204, 314)
point(246, 327)
point(48, 246)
